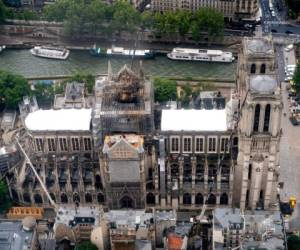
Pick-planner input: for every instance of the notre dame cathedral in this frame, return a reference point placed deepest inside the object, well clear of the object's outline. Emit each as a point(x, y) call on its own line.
point(106, 148)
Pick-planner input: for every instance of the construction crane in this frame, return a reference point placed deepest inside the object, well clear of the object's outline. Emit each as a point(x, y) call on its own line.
point(36, 174)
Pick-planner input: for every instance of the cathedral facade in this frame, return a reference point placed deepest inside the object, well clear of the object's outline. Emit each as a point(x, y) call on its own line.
point(104, 148)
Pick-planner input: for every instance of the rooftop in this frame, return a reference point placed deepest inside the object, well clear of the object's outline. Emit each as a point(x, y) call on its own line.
point(57, 120)
point(194, 120)
point(13, 236)
point(263, 84)
point(259, 46)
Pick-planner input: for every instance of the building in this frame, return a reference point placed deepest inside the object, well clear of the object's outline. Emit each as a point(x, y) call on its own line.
point(18, 235)
point(231, 9)
point(219, 152)
point(249, 230)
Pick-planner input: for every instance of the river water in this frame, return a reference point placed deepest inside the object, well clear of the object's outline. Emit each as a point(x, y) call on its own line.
point(22, 62)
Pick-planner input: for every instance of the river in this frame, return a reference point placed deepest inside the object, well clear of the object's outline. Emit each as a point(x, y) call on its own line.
point(22, 62)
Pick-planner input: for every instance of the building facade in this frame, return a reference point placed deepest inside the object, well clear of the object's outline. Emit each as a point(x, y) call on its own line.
point(104, 149)
point(231, 9)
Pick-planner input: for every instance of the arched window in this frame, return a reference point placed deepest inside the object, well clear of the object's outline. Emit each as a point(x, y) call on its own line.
point(199, 173)
point(267, 118)
point(76, 198)
point(174, 171)
point(187, 199)
point(150, 199)
point(212, 200)
point(224, 199)
point(64, 198)
point(52, 197)
point(263, 69)
point(98, 183)
point(253, 69)
point(88, 198)
point(126, 202)
point(38, 199)
point(187, 173)
point(100, 198)
point(256, 118)
point(26, 198)
point(199, 199)
point(15, 196)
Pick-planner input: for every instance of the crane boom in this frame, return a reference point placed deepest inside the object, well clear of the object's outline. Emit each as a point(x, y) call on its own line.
point(37, 175)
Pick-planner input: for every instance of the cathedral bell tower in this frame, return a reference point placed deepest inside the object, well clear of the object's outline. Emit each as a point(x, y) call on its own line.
point(257, 170)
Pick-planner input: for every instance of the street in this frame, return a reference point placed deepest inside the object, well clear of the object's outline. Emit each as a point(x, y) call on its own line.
point(289, 151)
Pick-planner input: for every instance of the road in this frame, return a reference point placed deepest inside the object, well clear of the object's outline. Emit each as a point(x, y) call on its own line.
point(289, 151)
point(277, 23)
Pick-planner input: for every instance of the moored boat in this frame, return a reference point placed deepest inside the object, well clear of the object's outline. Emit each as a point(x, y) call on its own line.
point(2, 47)
point(50, 52)
point(203, 55)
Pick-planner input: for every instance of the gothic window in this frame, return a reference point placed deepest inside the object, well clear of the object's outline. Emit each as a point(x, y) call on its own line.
point(174, 171)
point(199, 173)
point(100, 198)
point(126, 202)
point(63, 144)
point(52, 197)
point(150, 199)
point(39, 144)
point(256, 118)
point(38, 199)
point(187, 173)
point(212, 144)
point(187, 144)
point(174, 144)
point(51, 145)
point(76, 198)
point(212, 173)
point(15, 196)
point(224, 144)
point(64, 198)
point(187, 199)
point(267, 118)
point(263, 69)
point(26, 198)
point(75, 144)
point(98, 183)
point(250, 172)
point(199, 144)
point(224, 199)
point(87, 144)
point(199, 199)
point(212, 200)
point(88, 198)
point(253, 68)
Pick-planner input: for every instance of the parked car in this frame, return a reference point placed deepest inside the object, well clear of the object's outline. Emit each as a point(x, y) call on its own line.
point(294, 121)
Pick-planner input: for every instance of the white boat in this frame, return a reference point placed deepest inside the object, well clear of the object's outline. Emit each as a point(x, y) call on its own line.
point(200, 55)
point(2, 47)
point(50, 52)
point(119, 51)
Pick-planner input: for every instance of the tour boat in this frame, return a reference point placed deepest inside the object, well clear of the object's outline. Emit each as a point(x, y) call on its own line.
point(119, 51)
point(200, 55)
point(50, 52)
point(2, 47)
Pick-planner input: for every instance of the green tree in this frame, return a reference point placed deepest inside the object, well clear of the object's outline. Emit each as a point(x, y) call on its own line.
point(86, 78)
point(159, 23)
point(296, 79)
point(3, 191)
point(187, 93)
point(183, 22)
point(86, 245)
point(147, 20)
point(293, 242)
point(165, 90)
point(2, 11)
point(208, 21)
point(125, 17)
point(44, 93)
point(12, 89)
point(171, 22)
point(57, 11)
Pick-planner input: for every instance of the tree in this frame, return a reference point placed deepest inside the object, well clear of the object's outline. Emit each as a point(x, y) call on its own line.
point(293, 242)
point(147, 20)
point(12, 89)
point(165, 90)
point(44, 93)
point(3, 191)
point(86, 245)
point(210, 22)
point(296, 79)
point(2, 11)
point(183, 21)
point(86, 78)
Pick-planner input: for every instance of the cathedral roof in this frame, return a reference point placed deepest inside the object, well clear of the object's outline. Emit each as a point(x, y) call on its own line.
point(194, 120)
point(59, 120)
point(263, 84)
